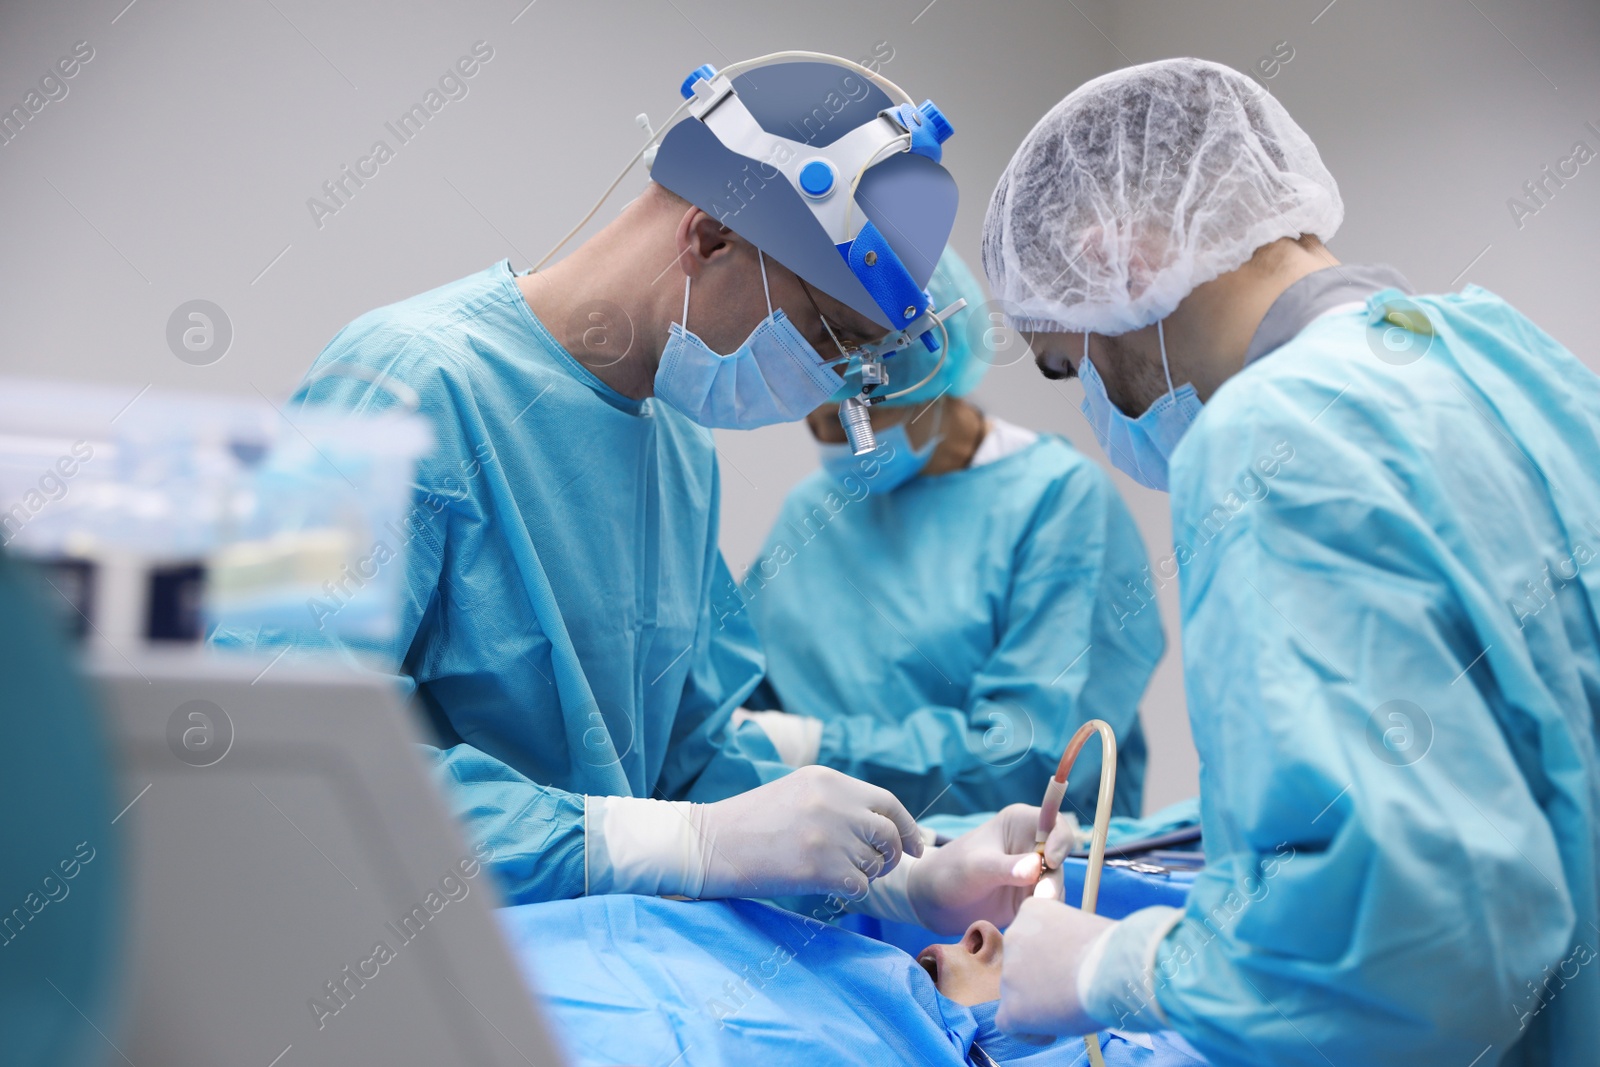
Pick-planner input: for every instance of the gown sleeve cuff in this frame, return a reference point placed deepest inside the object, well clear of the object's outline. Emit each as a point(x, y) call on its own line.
point(1117, 976)
point(633, 845)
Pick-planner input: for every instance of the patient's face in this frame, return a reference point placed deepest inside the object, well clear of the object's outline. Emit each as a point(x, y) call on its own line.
point(967, 972)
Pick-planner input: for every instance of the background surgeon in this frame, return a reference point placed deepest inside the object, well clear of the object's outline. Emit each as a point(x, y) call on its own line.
point(976, 581)
point(1399, 783)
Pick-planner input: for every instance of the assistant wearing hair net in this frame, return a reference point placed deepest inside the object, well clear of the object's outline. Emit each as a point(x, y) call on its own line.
point(1380, 695)
point(1142, 185)
point(963, 589)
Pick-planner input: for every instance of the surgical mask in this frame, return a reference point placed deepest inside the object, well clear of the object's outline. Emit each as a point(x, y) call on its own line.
point(896, 461)
point(1138, 447)
point(775, 376)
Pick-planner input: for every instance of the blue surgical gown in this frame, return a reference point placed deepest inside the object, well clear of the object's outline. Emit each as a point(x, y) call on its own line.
point(566, 623)
point(1390, 592)
point(952, 634)
point(734, 983)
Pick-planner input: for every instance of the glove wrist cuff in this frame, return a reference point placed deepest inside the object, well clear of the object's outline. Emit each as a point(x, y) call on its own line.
point(1116, 980)
point(798, 738)
point(634, 845)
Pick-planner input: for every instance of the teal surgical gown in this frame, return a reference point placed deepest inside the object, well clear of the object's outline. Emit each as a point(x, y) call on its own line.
point(1390, 577)
point(566, 623)
point(952, 634)
point(65, 899)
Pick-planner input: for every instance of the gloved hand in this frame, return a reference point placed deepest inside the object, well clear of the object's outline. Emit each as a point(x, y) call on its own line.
point(798, 738)
point(983, 874)
point(1044, 953)
point(813, 831)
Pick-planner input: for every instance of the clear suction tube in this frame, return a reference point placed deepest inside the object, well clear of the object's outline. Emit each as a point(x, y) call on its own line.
point(1054, 791)
point(1057, 788)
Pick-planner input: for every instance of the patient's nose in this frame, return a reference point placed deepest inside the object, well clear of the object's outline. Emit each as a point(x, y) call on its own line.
point(982, 939)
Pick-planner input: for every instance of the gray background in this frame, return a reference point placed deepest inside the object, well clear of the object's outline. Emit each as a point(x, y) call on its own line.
point(179, 164)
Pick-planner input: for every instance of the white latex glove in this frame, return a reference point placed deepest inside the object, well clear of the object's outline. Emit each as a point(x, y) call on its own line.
point(1045, 952)
point(985, 873)
point(813, 831)
point(798, 738)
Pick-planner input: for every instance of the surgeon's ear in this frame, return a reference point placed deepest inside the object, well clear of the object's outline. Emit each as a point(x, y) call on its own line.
point(701, 239)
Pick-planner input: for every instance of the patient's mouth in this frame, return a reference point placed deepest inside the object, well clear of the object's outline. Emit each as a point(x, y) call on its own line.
point(930, 963)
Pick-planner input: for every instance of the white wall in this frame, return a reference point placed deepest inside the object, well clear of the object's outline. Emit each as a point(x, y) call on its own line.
point(179, 164)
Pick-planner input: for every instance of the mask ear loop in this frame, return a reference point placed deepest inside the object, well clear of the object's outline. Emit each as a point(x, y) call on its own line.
point(1161, 337)
point(767, 291)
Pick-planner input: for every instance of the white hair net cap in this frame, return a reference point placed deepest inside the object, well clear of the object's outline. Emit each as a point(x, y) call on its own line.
point(1143, 184)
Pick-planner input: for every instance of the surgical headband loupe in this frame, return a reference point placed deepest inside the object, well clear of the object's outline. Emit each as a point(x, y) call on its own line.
point(818, 173)
point(825, 179)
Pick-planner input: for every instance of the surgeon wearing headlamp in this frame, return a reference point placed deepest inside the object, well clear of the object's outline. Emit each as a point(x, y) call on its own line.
point(566, 627)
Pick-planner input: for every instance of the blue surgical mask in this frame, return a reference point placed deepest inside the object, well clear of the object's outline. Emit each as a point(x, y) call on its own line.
point(886, 468)
point(1138, 447)
point(775, 376)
